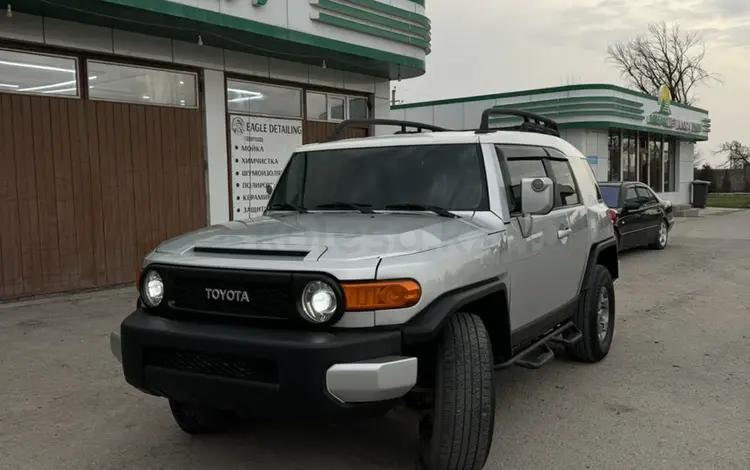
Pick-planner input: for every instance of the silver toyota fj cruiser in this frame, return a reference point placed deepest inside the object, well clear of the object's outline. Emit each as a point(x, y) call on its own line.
point(394, 269)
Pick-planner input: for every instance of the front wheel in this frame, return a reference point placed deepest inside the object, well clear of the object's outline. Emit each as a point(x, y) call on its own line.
point(662, 237)
point(595, 318)
point(456, 434)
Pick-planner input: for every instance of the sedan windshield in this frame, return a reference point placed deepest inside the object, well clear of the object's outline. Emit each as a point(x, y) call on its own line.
point(448, 177)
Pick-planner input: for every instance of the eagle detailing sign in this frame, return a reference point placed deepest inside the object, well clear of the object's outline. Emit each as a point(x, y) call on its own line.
point(261, 148)
point(662, 117)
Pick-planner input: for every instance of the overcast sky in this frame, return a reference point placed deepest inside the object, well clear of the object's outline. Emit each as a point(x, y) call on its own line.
point(483, 46)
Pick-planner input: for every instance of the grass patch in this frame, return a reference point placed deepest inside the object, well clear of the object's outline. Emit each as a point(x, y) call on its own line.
point(729, 200)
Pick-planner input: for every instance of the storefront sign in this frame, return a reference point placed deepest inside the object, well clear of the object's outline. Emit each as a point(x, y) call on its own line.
point(261, 148)
point(662, 117)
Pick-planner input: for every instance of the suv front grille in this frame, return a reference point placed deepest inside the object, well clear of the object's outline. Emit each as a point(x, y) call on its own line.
point(269, 300)
point(216, 365)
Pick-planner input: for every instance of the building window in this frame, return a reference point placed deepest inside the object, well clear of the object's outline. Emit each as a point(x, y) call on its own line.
point(43, 74)
point(629, 147)
point(669, 152)
point(643, 157)
point(268, 100)
point(358, 108)
point(317, 106)
point(328, 107)
point(336, 108)
point(142, 85)
point(655, 161)
point(615, 155)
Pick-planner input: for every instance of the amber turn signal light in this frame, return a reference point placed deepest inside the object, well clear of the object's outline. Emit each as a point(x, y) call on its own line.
point(381, 295)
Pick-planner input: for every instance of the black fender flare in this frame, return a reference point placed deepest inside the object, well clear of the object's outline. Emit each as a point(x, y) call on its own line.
point(594, 253)
point(426, 325)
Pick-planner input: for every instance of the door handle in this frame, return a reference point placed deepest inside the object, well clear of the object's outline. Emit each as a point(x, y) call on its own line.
point(564, 233)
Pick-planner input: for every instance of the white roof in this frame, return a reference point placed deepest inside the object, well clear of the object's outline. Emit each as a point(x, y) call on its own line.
point(448, 137)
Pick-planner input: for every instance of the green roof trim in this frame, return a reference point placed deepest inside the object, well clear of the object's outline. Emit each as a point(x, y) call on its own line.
point(549, 110)
point(539, 91)
point(371, 30)
point(632, 127)
point(387, 21)
point(176, 21)
point(573, 99)
point(573, 114)
point(391, 10)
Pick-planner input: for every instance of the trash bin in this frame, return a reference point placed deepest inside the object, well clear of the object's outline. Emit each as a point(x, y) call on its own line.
point(699, 193)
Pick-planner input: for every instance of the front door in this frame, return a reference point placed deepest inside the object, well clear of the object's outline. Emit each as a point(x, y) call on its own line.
point(630, 223)
point(548, 261)
point(650, 214)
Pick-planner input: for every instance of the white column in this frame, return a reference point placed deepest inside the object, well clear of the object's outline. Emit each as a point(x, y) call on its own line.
point(216, 146)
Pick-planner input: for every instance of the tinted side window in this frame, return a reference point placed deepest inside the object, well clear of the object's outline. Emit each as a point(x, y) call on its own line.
point(566, 188)
point(523, 161)
point(523, 168)
point(645, 194)
point(631, 195)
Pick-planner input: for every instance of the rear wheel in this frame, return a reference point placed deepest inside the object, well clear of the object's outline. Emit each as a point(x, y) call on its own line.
point(662, 237)
point(456, 433)
point(197, 420)
point(596, 318)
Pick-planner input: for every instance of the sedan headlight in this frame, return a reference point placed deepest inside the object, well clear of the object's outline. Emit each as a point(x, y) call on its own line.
point(152, 289)
point(318, 302)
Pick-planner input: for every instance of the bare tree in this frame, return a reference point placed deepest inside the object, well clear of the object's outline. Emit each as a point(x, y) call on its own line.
point(664, 56)
point(737, 155)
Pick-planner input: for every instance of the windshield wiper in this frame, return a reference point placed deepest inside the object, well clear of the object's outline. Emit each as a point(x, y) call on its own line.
point(421, 207)
point(280, 206)
point(363, 208)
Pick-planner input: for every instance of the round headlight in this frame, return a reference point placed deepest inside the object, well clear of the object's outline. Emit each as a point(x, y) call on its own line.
point(318, 302)
point(152, 289)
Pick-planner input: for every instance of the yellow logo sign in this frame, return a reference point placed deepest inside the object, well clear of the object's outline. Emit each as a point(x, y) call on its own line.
point(665, 100)
point(662, 115)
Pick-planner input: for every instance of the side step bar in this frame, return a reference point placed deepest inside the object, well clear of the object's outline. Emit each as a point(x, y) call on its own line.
point(539, 353)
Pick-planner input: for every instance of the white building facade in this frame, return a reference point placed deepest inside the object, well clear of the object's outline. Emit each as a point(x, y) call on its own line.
point(626, 135)
point(126, 122)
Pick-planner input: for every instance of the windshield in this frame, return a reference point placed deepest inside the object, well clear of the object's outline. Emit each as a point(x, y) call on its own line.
point(446, 176)
point(611, 195)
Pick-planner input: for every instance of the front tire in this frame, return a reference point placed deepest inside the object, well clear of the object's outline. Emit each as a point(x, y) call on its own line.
point(457, 433)
point(596, 318)
point(196, 420)
point(662, 237)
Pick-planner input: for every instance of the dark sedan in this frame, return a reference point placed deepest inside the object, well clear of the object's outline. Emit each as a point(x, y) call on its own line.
point(640, 216)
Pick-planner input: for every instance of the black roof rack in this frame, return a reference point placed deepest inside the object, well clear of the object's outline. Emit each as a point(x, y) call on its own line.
point(384, 122)
point(531, 122)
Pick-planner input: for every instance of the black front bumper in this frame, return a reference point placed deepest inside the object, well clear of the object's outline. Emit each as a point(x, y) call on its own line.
point(245, 369)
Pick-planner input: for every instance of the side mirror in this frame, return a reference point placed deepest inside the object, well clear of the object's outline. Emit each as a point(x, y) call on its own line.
point(537, 196)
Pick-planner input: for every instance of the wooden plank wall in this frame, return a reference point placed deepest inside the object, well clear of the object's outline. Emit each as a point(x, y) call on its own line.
point(87, 188)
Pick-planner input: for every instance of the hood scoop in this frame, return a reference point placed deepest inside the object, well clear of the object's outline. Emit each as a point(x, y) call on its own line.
point(247, 251)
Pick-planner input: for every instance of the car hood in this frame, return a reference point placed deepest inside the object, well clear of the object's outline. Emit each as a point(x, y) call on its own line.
point(325, 236)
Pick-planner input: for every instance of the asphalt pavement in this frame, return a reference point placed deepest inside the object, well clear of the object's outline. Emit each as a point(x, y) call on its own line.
point(674, 392)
